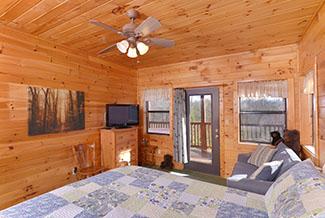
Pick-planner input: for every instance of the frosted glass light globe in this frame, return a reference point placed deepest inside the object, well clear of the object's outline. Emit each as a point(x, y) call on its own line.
point(123, 46)
point(132, 53)
point(142, 48)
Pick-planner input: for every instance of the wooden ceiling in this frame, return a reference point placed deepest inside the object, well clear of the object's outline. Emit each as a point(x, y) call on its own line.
point(201, 28)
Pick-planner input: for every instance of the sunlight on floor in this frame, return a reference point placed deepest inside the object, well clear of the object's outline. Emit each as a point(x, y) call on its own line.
point(179, 174)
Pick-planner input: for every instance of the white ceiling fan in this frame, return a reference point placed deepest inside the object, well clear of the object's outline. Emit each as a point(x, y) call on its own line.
point(136, 41)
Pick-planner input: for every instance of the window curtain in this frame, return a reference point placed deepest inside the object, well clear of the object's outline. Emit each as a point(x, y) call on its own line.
point(263, 89)
point(309, 83)
point(180, 135)
point(158, 99)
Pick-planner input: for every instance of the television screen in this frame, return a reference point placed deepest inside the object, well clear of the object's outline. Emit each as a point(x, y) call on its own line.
point(119, 115)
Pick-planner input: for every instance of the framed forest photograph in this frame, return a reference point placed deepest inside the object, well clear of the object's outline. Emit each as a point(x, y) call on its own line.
point(54, 110)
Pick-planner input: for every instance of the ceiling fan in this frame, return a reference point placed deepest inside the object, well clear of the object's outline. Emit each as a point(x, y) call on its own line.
point(136, 41)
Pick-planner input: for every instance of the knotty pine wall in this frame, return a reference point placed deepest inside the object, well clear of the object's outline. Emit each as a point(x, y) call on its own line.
point(30, 166)
point(311, 54)
point(223, 72)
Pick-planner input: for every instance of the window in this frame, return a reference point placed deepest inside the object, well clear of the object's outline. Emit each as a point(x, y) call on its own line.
point(259, 116)
point(308, 111)
point(157, 120)
point(157, 105)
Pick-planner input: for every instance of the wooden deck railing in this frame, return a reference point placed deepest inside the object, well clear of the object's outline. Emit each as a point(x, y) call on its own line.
point(260, 133)
point(159, 125)
point(196, 135)
point(248, 132)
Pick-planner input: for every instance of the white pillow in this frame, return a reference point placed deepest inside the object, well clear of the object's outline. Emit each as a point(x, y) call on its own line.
point(267, 171)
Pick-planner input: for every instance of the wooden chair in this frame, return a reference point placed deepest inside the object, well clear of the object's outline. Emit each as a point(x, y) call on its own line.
point(85, 156)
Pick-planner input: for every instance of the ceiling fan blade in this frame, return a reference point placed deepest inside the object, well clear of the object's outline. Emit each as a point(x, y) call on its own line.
point(105, 26)
point(106, 49)
point(161, 42)
point(148, 26)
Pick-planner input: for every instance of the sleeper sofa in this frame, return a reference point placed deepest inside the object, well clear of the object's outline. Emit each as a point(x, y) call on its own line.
point(242, 170)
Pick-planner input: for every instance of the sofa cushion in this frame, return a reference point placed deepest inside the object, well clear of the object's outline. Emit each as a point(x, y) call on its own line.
point(246, 169)
point(288, 156)
point(261, 155)
point(299, 192)
point(267, 171)
point(243, 157)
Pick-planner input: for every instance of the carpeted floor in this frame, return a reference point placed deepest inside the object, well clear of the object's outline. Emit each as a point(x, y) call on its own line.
point(196, 175)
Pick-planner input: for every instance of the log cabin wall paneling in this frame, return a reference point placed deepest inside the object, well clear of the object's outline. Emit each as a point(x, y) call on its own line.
point(223, 72)
point(30, 166)
point(312, 56)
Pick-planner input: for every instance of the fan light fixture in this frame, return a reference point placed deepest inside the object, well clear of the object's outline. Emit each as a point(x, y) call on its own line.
point(142, 48)
point(122, 46)
point(131, 50)
point(135, 36)
point(132, 53)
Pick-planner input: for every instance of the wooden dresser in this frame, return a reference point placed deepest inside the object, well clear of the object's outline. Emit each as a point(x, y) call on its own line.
point(119, 146)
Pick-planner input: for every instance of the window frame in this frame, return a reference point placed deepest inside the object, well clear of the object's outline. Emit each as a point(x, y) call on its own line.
point(285, 112)
point(155, 112)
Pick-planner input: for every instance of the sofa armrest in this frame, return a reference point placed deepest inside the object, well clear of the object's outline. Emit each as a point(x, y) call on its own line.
point(243, 157)
point(250, 185)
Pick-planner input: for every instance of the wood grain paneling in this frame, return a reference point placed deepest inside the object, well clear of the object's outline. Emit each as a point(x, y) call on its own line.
point(224, 72)
point(312, 57)
point(201, 29)
point(313, 42)
point(30, 166)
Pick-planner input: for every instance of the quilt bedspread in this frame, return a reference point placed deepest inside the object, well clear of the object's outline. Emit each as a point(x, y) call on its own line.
point(138, 192)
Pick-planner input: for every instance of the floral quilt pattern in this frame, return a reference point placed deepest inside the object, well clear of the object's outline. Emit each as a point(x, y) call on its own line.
point(137, 192)
point(299, 192)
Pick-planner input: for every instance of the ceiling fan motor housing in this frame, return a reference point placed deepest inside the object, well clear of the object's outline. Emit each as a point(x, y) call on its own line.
point(128, 29)
point(132, 14)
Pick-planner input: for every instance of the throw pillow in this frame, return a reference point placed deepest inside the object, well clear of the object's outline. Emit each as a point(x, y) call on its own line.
point(288, 156)
point(267, 171)
point(261, 155)
point(299, 192)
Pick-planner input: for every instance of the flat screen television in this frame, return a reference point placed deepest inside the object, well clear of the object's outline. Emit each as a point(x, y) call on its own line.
point(122, 115)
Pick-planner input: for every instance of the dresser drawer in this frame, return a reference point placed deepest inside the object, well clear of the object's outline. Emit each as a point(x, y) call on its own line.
point(122, 139)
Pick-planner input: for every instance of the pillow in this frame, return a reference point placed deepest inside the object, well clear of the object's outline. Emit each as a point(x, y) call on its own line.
point(267, 171)
point(261, 155)
point(299, 192)
point(289, 157)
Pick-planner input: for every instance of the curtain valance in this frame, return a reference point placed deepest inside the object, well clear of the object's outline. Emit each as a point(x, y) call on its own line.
point(159, 99)
point(257, 89)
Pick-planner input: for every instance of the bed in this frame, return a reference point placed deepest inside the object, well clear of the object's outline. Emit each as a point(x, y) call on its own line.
point(136, 192)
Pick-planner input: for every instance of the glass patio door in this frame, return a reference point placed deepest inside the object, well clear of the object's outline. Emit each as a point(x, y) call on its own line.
point(203, 132)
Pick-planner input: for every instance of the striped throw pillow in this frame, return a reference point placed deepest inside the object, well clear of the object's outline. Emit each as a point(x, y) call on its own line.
point(261, 155)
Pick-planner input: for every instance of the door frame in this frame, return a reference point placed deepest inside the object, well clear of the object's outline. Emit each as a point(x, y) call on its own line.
point(214, 168)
